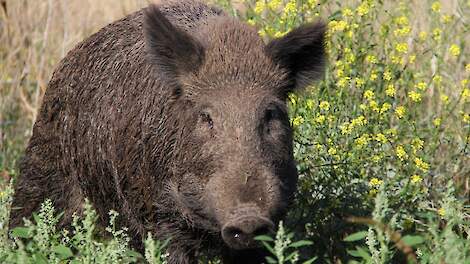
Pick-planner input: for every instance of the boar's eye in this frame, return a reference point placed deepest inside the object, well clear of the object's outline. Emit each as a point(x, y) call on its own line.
point(273, 120)
point(206, 119)
point(274, 113)
point(271, 115)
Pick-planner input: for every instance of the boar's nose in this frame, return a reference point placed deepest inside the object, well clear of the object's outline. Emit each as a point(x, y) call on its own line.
point(240, 233)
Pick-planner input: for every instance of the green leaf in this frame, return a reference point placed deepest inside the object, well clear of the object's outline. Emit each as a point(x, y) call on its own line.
point(354, 253)
point(21, 232)
point(268, 247)
point(301, 243)
point(291, 256)
point(38, 258)
point(264, 238)
point(310, 261)
point(412, 240)
point(63, 252)
point(363, 253)
point(271, 260)
point(36, 217)
point(133, 254)
point(356, 236)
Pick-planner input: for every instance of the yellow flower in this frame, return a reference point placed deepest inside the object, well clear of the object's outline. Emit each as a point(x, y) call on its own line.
point(332, 151)
point(290, 8)
point(390, 91)
point(392, 132)
point(398, 60)
point(437, 122)
point(274, 4)
point(312, 2)
point(417, 144)
point(436, 7)
point(401, 153)
point(466, 118)
point(387, 75)
point(373, 76)
point(337, 25)
point(350, 58)
point(362, 140)
point(403, 20)
point(297, 121)
point(423, 35)
point(437, 79)
point(279, 34)
point(467, 68)
point(400, 112)
point(415, 179)
point(346, 128)
point(310, 103)
point(465, 94)
point(369, 94)
point(464, 82)
point(446, 19)
point(331, 118)
point(319, 147)
point(385, 107)
point(339, 73)
point(359, 82)
point(320, 119)
point(371, 59)
point(347, 12)
point(381, 138)
point(436, 34)
point(441, 211)
point(374, 106)
point(375, 182)
point(401, 47)
point(359, 121)
point(420, 164)
point(262, 33)
point(363, 9)
point(293, 99)
point(343, 81)
point(324, 105)
point(259, 7)
point(412, 58)
point(454, 50)
point(415, 96)
point(251, 22)
point(376, 158)
point(421, 86)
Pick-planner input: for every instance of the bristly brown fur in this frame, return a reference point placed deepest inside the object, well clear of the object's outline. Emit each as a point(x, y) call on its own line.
point(174, 116)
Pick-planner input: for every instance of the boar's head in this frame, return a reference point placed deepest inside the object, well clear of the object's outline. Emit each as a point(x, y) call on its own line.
point(232, 165)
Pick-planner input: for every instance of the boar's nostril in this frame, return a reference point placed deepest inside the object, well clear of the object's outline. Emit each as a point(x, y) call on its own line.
point(240, 233)
point(234, 232)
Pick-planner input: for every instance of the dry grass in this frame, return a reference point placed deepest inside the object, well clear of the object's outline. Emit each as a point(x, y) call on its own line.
point(34, 36)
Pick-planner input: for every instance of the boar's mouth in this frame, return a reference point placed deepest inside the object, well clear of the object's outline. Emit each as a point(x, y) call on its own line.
point(239, 232)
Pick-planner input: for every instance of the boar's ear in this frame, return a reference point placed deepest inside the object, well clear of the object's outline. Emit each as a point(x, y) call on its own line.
point(172, 50)
point(301, 52)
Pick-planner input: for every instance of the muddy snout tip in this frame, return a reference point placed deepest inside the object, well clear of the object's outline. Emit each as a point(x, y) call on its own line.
point(240, 233)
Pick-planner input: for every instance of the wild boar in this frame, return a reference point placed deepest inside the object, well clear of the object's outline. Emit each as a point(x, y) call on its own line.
point(174, 116)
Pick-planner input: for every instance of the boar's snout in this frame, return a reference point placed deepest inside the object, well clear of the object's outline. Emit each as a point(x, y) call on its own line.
point(240, 232)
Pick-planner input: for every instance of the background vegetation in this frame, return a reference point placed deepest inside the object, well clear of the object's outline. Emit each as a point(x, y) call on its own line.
point(382, 142)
